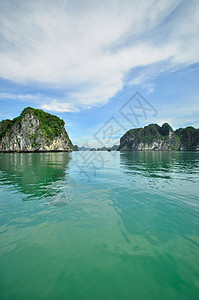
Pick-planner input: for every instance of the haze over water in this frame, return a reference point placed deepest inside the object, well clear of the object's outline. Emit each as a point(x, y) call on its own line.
point(126, 230)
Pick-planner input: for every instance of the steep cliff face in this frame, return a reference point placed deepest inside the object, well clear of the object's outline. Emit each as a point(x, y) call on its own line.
point(34, 130)
point(155, 137)
point(189, 138)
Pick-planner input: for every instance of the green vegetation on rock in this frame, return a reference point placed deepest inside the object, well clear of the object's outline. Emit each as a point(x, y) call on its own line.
point(75, 148)
point(50, 125)
point(5, 125)
point(189, 137)
point(34, 129)
point(155, 137)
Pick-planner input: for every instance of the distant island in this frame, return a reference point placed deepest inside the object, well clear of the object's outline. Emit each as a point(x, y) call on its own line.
point(34, 131)
point(155, 137)
point(113, 148)
point(37, 131)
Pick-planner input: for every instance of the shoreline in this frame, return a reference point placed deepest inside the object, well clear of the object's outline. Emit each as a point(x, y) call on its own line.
point(36, 151)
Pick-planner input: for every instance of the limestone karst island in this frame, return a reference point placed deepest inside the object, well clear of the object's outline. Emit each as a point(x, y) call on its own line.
point(37, 131)
point(99, 149)
point(34, 131)
point(163, 138)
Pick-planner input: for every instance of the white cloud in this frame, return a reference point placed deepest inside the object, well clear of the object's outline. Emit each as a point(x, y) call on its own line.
point(56, 106)
point(20, 96)
point(92, 44)
point(45, 102)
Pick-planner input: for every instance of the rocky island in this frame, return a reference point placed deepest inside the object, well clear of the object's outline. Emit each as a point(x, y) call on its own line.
point(34, 131)
point(155, 137)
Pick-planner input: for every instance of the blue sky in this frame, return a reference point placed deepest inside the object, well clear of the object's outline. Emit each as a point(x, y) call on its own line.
point(83, 60)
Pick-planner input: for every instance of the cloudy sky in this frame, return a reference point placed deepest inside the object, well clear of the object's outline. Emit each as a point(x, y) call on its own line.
point(85, 60)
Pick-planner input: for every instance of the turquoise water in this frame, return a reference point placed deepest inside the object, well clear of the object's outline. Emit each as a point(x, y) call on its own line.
point(110, 226)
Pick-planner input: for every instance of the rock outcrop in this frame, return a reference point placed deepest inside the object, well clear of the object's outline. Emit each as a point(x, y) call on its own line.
point(155, 137)
point(189, 138)
point(34, 131)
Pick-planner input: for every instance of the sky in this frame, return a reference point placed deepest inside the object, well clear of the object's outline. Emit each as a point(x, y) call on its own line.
point(104, 67)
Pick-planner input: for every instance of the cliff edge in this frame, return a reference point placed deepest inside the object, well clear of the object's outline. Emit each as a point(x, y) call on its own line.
point(34, 131)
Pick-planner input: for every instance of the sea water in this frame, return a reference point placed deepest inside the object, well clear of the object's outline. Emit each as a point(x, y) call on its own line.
point(99, 225)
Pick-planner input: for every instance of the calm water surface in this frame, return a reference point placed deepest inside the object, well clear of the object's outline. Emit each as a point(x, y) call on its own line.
point(122, 226)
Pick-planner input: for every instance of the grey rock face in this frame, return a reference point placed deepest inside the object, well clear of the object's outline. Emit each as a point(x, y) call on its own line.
point(151, 137)
point(27, 135)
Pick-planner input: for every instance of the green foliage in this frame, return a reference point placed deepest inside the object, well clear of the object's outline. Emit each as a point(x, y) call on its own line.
point(75, 148)
point(149, 133)
point(189, 137)
point(165, 129)
point(179, 131)
point(5, 125)
point(50, 126)
point(173, 147)
point(35, 144)
point(32, 137)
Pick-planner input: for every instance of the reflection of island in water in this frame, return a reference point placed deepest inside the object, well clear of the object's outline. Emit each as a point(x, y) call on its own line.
point(34, 173)
point(157, 190)
point(159, 163)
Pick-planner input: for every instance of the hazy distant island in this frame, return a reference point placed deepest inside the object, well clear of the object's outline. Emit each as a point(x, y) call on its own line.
point(155, 137)
point(37, 131)
point(34, 131)
point(113, 148)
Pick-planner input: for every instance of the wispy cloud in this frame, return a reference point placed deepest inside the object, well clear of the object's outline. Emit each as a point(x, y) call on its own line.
point(20, 96)
point(43, 101)
point(56, 106)
point(93, 44)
